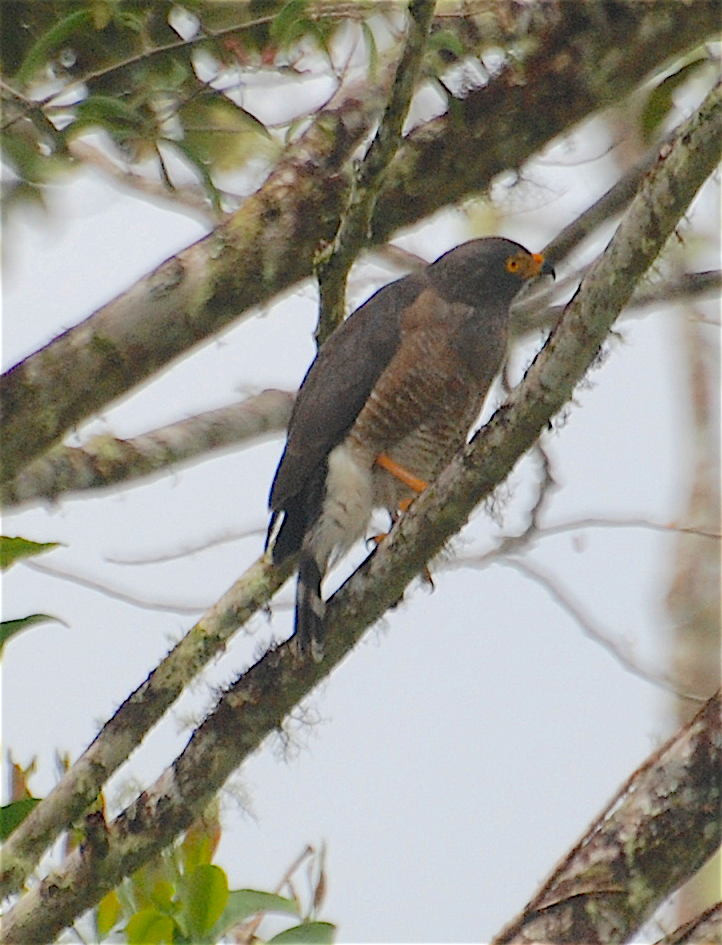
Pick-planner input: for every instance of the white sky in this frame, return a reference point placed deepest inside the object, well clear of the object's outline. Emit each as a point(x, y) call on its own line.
point(468, 740)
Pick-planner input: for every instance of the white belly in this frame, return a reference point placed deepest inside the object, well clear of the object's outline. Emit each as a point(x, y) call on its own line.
point(347, 505)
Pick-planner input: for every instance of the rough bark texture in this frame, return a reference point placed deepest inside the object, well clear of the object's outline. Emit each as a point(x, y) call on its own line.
point(257, 703)
point(657, 832)
point(79, 786)
point(106, 460)
point(586, 58)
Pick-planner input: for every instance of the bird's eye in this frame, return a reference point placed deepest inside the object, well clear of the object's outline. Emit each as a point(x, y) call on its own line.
point(513, 264)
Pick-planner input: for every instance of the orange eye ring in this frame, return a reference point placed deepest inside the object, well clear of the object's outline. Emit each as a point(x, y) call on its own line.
point(525, 265)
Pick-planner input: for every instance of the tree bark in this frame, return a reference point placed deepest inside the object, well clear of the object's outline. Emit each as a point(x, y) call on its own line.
point(657, 832)
point(586, 58)
point(258, 702)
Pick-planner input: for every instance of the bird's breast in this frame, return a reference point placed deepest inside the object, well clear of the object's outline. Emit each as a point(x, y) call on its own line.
point(427, 449)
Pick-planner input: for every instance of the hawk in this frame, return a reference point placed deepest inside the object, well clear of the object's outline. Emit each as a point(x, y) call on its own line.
point(389, 399)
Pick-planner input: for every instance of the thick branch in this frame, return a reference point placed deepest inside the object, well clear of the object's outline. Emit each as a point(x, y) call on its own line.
point(353, 230)
point(589, 56)
point(247, 260)
point(701, 930)
point(657, 832)
point(107, 460)
point(259, 701)
point(79, 786)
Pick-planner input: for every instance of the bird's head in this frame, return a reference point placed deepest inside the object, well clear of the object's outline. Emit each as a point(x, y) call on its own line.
point(486, 272)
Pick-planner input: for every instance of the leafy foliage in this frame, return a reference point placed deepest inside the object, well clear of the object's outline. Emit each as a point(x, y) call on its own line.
point(155, 78)
point(180, 896)
point(15, 813)
point(8, 628)
point(14, 549)
point(163, 84)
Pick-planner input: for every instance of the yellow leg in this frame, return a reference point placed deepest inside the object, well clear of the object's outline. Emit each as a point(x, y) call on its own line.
point(413, 482)
point(409, 479)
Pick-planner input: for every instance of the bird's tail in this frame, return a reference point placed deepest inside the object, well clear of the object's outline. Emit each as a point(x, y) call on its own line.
point(310, 608)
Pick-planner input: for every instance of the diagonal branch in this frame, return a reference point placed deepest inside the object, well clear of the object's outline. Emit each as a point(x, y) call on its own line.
point(79, 785)
point(257, 703)
point(107, 460)
point(577, 66)
point(620, 872)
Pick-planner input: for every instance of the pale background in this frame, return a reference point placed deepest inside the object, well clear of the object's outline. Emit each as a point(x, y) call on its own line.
point(469, 739)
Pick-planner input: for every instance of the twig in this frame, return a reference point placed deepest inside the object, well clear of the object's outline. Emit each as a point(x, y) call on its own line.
point(191, 200)
point(188, 550)
point(112, 593)
point(575, 610)
point(577, 524)
point(257, 703)
point(612, 203)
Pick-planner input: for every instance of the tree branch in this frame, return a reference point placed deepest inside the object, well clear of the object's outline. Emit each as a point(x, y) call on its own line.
point(269, 244)
point(701, 930)
point(354, 226)
point(79, 785)
point(657, 832)
point(258, 702)
point(107, 460)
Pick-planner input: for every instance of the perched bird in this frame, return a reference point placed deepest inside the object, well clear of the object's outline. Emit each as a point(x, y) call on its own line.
point(389, 399)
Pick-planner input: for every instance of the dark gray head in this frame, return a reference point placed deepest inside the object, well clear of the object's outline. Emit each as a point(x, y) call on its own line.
point(486, 272)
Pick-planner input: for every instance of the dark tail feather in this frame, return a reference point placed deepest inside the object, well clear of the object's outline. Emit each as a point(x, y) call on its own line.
point(310, 608)
point(287, 537)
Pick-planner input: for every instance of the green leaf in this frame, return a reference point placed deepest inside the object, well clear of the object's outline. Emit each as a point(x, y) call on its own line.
point(660, 102)
point(150, 927)
point(201, 839)
point(15, 813)
point(206, 895)
point(12, 549)
point(107, 913)
point(289, 23)
point(9, 628)
point(41, 51)
point(196, 162)
point(309, 933)
point(222, 135)
point(110, 113)
point(243, 903)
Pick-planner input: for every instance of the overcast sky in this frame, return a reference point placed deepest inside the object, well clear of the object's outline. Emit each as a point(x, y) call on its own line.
point(472, 736)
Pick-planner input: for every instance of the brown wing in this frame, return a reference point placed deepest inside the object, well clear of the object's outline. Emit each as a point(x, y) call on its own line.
point(332, 395)
point(431, 377)
point(455, 314)
point(338, 384)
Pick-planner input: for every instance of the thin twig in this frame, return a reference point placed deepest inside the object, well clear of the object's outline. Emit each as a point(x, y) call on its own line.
point(564, 599)
point(114, 594)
